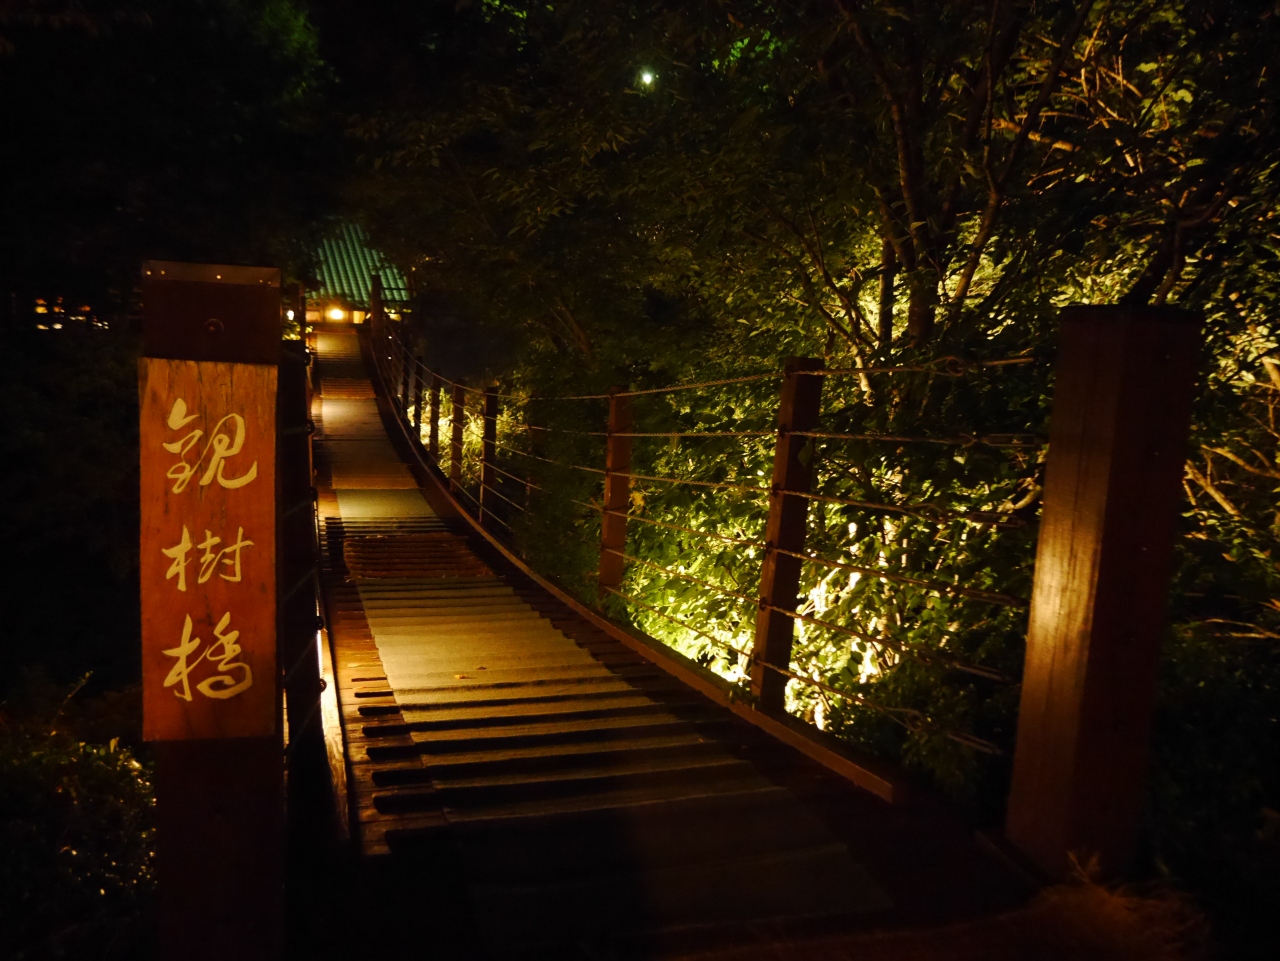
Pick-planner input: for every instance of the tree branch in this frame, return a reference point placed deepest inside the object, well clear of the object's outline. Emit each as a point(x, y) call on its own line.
point(996, 196)
point(1208, 487)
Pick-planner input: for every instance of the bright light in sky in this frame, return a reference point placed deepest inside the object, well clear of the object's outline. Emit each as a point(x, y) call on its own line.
point(646, 78)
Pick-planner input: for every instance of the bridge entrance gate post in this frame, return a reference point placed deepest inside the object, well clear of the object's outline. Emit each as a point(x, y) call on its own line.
point(1117, 444)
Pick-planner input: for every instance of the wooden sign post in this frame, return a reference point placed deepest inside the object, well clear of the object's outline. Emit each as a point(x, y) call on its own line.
point(207, 436)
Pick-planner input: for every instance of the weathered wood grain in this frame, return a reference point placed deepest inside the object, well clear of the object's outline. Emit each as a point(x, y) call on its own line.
point(1117, 440)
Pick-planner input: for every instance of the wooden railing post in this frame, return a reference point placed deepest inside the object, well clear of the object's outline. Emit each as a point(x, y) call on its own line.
point(375, 303)
point(1117, 443)
point(798, 410)
point(433, 432)
point(488, 454)
point(457, 421)
point(418, 386)
point(406, 375)
point(617, 492)
point(379, 336)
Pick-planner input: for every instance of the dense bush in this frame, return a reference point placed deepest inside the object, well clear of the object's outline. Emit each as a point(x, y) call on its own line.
point(76, 829)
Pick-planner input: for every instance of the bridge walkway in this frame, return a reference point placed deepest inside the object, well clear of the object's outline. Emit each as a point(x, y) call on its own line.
point(594, 805)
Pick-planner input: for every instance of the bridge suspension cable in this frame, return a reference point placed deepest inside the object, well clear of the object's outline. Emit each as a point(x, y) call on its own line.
point(398, 364)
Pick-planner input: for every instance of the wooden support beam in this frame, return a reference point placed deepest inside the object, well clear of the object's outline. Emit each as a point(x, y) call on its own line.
point(1117, 443)
point(798, 410)
point(617, 492)
point(488, 454)
point(433, 435)
point(457, 421)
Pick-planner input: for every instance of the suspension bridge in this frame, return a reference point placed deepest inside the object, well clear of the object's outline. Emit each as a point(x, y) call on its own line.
point(586, 790)
point(595, 796)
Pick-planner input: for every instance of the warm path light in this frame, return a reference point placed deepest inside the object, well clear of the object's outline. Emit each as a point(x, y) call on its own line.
point(335, 313)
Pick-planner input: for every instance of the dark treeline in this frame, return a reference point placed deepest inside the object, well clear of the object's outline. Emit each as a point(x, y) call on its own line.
point(132, 130)
point(129, 129)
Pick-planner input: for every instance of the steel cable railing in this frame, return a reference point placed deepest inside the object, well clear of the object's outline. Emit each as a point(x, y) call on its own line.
point(399, 366)
point(908, 717)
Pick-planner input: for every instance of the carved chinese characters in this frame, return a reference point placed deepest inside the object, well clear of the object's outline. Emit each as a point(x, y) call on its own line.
point(208, 548)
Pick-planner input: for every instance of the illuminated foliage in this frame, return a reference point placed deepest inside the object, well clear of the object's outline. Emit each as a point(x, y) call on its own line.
point(870, 183)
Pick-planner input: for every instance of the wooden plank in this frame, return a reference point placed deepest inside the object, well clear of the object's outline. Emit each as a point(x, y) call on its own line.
point(1121, 410)
point(785, 531)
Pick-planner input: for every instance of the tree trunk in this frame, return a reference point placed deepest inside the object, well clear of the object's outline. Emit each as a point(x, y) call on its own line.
point(888, 274)
point(922, 306)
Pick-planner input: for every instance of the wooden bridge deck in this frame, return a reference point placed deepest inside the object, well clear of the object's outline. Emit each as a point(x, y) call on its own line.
point(594, 805)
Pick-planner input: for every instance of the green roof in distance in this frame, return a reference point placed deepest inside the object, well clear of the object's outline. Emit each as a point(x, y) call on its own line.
point(347, 265)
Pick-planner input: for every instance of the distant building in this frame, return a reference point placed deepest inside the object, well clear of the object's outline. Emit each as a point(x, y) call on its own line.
point(346, 266)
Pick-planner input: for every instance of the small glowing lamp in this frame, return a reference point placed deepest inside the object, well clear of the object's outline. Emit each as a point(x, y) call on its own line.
point(646, 78)
point(335, 313)
point(288, 314)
